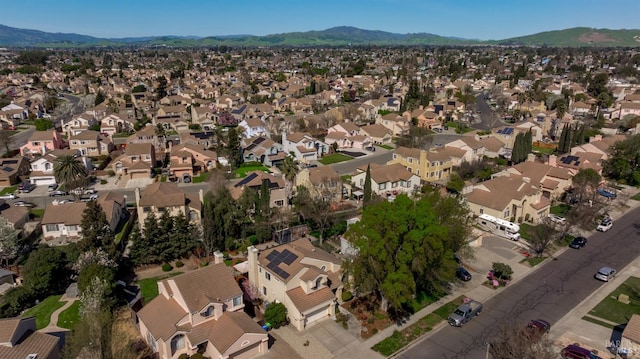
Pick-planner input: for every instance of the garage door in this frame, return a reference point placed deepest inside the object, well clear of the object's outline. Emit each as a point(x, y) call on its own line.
point(140, 175)
point(43, 181)
point(246, 353)
point(315, 316)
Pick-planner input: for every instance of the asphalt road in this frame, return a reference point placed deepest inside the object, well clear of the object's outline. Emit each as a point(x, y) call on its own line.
point(20, 139)
point(380, 156)
point(488, 118)
point(547, 293)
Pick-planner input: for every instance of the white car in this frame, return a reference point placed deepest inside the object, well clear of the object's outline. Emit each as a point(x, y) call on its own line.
point(557, 219)
point(8, 196)
point(605, 225)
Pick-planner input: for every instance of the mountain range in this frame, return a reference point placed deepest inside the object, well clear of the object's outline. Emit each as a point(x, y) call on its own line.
point(336, 36)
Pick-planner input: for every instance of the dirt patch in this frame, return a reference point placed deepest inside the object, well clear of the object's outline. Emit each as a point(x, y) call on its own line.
point(595, 37)
point(367, 311)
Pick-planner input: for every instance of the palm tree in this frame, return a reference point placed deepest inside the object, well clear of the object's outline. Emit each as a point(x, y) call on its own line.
point(68, 170)
point(289, 169)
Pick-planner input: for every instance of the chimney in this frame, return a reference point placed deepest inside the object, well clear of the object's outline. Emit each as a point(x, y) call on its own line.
point(553, 161)
point(531, 157)
point(252, 258)
point(526, 179)
point(218, 257)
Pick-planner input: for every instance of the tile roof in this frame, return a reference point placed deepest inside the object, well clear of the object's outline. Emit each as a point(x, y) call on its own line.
point(166, 194)
point(303, 301)
point(498, 192)
point(230, 327)
point(32, 342)
point(407, 152)
point(67, 213)
point(86, 135)
point(161, 315)
point(322, 174)
point(390, 173)
point(632, 329)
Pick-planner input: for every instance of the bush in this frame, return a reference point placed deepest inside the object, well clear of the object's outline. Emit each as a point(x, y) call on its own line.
point(179, 264)
point(15, 300)
point(111, 173)
point(103, 181)
point(502, 271)
point(276, 315)
point(347, 296)
point(166, 267)
point(183, 356)
point(196, 356)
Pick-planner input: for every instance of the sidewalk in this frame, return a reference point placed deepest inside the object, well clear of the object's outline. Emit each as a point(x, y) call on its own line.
point(53, 323)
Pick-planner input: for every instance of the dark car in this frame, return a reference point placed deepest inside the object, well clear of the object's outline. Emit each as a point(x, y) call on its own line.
point(463, 274)
point(26, 187)
point(576, 352)
point(578, 242)
point(537, 328)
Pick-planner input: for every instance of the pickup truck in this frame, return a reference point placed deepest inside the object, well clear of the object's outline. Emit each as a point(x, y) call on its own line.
point(465, 313)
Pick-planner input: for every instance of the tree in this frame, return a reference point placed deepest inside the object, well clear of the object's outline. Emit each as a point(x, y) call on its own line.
point(623, 164)
point(88, 274)
point(43, 124)
point(99, 98)
point(407, 246)
point(513, 341)
point(276, 315)
point(96, 232)
point(455, 183)
point(565, 139)
point(139, 88)
point(68, 170)
point(314, 208)
point(366, 198)
point(542, 236)
point(502, 270)
point(6, 140)
point(518, 153)
point(585, 184)
point(8, 242)
point(45, 271)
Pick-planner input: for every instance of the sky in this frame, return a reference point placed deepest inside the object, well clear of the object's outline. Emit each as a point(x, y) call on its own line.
point(471, 19)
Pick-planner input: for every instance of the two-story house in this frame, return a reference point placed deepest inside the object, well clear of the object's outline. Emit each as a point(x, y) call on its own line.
point(165, 196)
point(262, 149)
point(378, 134)
point(201, 312)
point(472, 148)
point(253, 182)
point(387, 181)
point(14, 170)
point(138, 161)
point(303, 147)
point(91, 143)
point(553, 181)
point(42, 167)
point(115, 123)
point(397, 124)
point(430, 166)
point(322, 182)
point(254, 127)
point(304, 278)
point(20, 339)
point(79, 123)
point(40, 142)
point(347, 135)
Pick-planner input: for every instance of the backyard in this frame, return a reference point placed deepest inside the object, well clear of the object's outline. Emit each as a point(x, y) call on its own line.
point(149, 286)
point(43, 310)
point(245, 168)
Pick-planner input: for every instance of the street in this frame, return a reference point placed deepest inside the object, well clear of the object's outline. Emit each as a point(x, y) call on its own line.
point(488, 118)
point(380, 156)
point(547, 293)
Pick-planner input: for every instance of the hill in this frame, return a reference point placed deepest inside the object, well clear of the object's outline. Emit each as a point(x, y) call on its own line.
point(336, 36)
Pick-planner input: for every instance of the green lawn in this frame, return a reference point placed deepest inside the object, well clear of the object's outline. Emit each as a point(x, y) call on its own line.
point(596, 321)
point(70, 316)
point(545, 150)
point(614, 311)
point(37, 212)
point(334, 158)
point(534, 261)
point(386, 147)
point(201, 178)
point(636, 197)
point(44, 309)
point(149, 286)
point(9, 189)
point(400, 339)
point(560, 210)
point(242, 171)
point(525, 230)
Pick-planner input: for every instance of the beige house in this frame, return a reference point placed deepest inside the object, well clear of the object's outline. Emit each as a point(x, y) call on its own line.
point(19, 339)
point(472, 148)
point(304, 278)
point(378, 134)
point(165, 196)
point(321, 181)
point(512, 198)
point(430, 166)
point(14, 170)
point(253, 182)
point(397, 124)
point(388, 180)
point(553, 181)
point(201, 311)
point(303, 147)
point(90, 143)
point(138, 161)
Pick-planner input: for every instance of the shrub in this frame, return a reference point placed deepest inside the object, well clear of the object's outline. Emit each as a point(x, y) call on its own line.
point(276, 315)
point(103, 181)
point(166, 267)
point(196, 356)
point(179, 264)
point(502, 271)
point(183, 356)
point(111, 173)
point(347, 296)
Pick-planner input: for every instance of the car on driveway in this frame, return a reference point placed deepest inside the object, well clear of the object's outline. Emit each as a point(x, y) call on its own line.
point(557, 219)
point(607, 193)
point(578, 242)
point(8, 196)
point(574, 351)
point(52, 187)
point(26, 187)
point(463, 274)
point(605, 274)
point(81, 191)
point(605, 225)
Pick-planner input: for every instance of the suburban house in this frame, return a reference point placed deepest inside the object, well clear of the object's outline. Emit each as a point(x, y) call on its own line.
point(146, 134)
point(14, 170)
point(80, 123)
point(188, 160)
point(473, 149)
point(201, 312)
point(378, 134)
point(307, 280)
point(115, 123)
point(137, 161)
point(42, 167)
point(397, 124)
point(512, 198)
point(166, 196)
point(114, 205)
point(91, 143)
point(322, 182)
point(430, 166)
point(253, 182)
point(553, 181)
point(493, 147)
point(599, 145)
point(262, 149)
point(579, 108)
point(17, 216)
point(577, 161)
point(387, 181)
point(19, 339)
point(254, 127)
point(40, 142)
point(303, 147)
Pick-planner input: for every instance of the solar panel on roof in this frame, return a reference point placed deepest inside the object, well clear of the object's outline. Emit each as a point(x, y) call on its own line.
point(290, 258)
point(246, 180)
point(272, 266)
point(7, 169)
point(283, 274)
point(272, 255)
point(508, 130)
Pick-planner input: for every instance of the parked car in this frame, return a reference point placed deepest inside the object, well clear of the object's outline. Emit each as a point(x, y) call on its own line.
point(605, 225)
point(52, 187)
point(8, 196)
point(578, 242)
point(557, 219)
point(573, 351)
point(463, 274)
point(607, 193)
point(57, 193)
point(537, 328)
point(23, 204)
point(93, 197)
point(605, 274)
point(26, 187)
point(81, 191)
point(465, 313)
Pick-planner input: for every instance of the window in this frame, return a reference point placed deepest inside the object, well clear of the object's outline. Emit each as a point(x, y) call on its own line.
point(208, 312)
point(72, 228)
point(432, 174)
point(177, 343)
point(395, 156)
point(146, 209)
point(418, 172)
point(361, 182)
point(507, 212)
point(279, 203)
point(237, 301)
point(152, 342)
point(317, 284)
point(433, 164)
point(267, 275)
point(264, 290)
point(408, 183)
point(35, 143)
point(51, 227)
point(481, 210)
point(193, 215)
point(394, 184)
point(382, 186)
point(410, 160)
